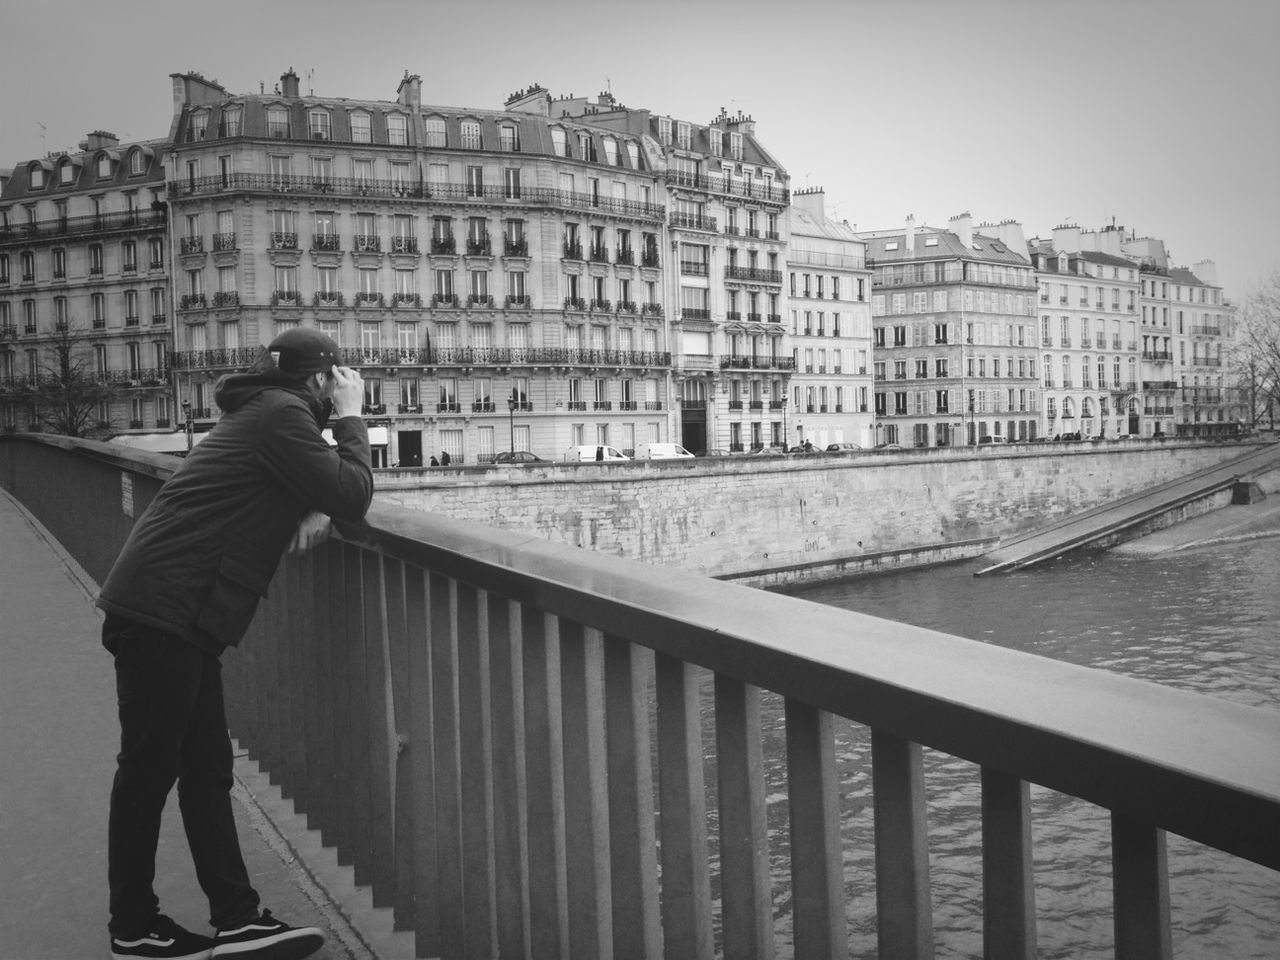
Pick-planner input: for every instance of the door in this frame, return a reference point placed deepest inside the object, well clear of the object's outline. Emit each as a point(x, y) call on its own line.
point(410, 444)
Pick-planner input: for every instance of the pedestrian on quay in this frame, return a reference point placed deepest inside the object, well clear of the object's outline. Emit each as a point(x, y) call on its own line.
point(184, 588)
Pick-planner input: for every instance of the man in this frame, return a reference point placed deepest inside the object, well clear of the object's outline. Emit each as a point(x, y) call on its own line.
point(184, 588)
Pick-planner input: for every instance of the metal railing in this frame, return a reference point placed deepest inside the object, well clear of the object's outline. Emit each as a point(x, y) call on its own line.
point(404, 190)
point(448, 682)
point(76, 226)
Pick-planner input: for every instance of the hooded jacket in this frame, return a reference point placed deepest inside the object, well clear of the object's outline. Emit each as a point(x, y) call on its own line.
point(203, 553)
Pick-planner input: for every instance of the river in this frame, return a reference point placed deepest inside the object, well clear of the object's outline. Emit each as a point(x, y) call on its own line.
point(1206, 619)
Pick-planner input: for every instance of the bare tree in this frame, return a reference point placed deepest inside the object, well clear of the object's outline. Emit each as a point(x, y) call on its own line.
point(1257, 359)
point(67, 394)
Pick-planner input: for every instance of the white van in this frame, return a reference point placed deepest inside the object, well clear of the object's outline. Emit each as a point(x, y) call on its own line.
point(593, 452)
point(661, 451)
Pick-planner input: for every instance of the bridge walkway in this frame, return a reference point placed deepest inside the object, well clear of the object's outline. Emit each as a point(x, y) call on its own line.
point(1091, 526)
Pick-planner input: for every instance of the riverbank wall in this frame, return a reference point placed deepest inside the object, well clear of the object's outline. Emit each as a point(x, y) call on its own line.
point(775, 521)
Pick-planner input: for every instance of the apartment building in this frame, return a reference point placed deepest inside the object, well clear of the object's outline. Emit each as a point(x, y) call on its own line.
point(954, 334)
point(1089, 341)
point(726, 241)
point(84, 284)
point(829, 298)
point(496, 275)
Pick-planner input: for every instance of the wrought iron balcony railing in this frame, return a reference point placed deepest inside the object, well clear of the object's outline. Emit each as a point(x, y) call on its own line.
point(404, 245)
point(63, 227)
point(224, 241)
point(515, 248)
point(327, 242)
point(760, 274)
point(188, 245)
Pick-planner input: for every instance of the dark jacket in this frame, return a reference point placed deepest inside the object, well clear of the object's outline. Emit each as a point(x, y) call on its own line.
point(203, 553)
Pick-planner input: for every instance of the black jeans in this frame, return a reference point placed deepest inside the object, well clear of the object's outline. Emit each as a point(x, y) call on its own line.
point(172, 727)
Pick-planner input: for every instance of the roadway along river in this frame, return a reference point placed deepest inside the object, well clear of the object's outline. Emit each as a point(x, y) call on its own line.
point(1206, 619)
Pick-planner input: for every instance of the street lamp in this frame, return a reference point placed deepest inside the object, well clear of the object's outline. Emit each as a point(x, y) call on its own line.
point(511, 414)
point(186, 419)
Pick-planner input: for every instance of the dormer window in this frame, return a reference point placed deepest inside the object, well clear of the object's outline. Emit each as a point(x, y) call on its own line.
point(435, 131)
point(683, 135)
point(633, 153)
point(891, 245)
point(397, 129)
point(66, 173)
point(931, 241)
point(559, 142)
point(277, 122)
point(509, 138)
point(586, 147)
point(664, 130)
point(361, 128)
point(199, 126)
point(319, 123)
point(469, 131)
point(104, 165)
point(611, 151)
point(735, 145)
point(232, 120)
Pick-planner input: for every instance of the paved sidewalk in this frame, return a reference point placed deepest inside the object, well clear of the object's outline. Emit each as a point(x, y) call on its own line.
point(58, 739)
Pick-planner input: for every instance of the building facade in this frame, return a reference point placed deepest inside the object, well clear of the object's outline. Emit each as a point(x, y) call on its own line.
point(495, 276)
point(954, 327)
point(84, 284)
point(829, 298)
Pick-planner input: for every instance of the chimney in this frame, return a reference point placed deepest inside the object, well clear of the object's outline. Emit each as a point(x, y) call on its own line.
point(409, 93)
point(190, 89)
point(98, 139)
point(909, 241)
point(962, 227)
point(1066, 238)
point(1206, 272)
point(812, 201)
point(289, 84)
point(535, 99)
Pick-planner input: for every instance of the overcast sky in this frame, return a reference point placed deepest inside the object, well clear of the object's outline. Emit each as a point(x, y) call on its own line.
point(1162, 115)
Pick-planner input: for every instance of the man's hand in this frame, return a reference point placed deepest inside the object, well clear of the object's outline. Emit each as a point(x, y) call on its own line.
point(348, 392)
point(312, 531)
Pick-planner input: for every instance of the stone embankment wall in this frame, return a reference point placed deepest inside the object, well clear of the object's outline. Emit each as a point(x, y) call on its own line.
point(782, 520)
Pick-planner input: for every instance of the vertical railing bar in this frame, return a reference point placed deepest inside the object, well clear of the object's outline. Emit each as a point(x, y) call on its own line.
point(475, 772)
point(305, 646)
point(746, 895)
point(444, 688)
point(381, 841)
point(510, 789)
point(360, 769)
point(1008, 882)
point(586, 793)
point(336, 830)
point(686, 882)
point(398, 671)
point(637, 922)
point(903, 898)
point(421, 751)
point(1140, 888)
point(817, 882)
point(544, 765)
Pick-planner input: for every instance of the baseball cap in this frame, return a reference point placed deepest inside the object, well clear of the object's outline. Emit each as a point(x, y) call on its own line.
point(303, 350)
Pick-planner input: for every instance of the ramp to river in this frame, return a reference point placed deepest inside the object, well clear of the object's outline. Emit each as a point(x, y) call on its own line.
point(1111, 521)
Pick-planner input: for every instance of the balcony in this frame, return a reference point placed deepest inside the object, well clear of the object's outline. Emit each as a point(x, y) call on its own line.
point(652, 405)
point(601, 306)
point(285, 241)
point(188, 245)
point(572, 250)
point(403, 245)
point(327, 298)
point(406, 300)
point(479, 246)
point(730, 186)
point(77, 226)
point(479, 300)
point(409, 408)
point(445, 245)
point(326, 243)
point(693, 268)
point(374, 409)
point(598, 254)
point(191, 301)
point(777, 318)
point(517, 300)
point(739, 362)
point(367, 243)
point(449, 406)
point(755, 404)
point(650, 258)
point(627, 405)
point(575, 303)
point(651, 309)
point(1066, 342)
point(577, 405)
point(370, 298)
point(288, 298)
point(624, 256)
point(735, 404)
point(602, 405)
point(515, 248)
point(226, 298)
point(695, 313)
point(482, 406)
point(691, 221)
point(1157, 355)
point(444, 299)
point(733, 316)
point(758, 274)
point(628, 306)
point(224, 241)
point(213, 359)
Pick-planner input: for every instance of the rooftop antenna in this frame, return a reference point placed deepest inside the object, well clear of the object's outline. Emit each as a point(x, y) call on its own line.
point(311, 92)
point(43, 129)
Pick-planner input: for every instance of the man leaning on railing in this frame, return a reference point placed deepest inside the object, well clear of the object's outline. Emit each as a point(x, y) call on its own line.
point(184, 588)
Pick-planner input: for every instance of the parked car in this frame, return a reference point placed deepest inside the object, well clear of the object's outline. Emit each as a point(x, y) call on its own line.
point(661, 451)
point(517, 456)
point(889, 446)
point(843, 447)
point(593, 452)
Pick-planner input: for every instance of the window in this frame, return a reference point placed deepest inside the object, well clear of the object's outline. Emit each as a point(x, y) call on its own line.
point(559, 142)
point(66, 173)
point(98, 304)
point(475, 181)
point(277, 122)
point(509, 138)
point(611, 151)
point(436, 134)
point(319, 125)
point(397, 129)
point(470, 134)
point(37, 176)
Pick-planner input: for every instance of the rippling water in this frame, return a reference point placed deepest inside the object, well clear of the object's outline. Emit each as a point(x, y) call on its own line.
point(1206, 620)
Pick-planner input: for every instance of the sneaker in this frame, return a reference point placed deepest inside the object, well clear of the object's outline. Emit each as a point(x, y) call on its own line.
point(266, 938)
point(164, 940)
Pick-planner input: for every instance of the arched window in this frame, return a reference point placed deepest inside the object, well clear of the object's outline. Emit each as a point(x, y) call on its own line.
point(66, 172)
point(104, 165)
point(1068, 408)
point(137, 162)
point(36, 175)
